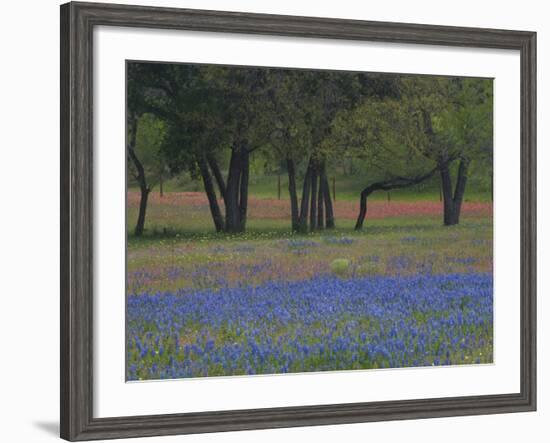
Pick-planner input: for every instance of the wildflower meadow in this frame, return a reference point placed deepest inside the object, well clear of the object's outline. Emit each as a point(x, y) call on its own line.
point(296, 220)
point(406, 292)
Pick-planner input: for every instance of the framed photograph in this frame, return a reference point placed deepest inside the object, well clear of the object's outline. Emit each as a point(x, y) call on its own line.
point(272, 221)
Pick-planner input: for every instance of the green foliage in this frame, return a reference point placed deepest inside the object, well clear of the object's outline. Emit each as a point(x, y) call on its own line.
point(151, 134)
point(433, 120)
point(383, 134)
point(340, 266)
point(456, 116)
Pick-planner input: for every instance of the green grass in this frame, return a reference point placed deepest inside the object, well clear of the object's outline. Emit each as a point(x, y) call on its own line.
point(348, 188)
point(386, 246)
point(201, 229)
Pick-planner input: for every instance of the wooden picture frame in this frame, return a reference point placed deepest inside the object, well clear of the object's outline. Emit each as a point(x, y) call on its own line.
point(77, 22)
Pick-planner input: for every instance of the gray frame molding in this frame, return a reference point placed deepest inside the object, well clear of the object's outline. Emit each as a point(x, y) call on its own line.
point(77, 23)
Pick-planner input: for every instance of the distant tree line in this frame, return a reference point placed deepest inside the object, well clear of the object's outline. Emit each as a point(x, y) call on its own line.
point(207, 120)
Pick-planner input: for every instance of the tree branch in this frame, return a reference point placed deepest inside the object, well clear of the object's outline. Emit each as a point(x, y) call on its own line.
point(398, 182)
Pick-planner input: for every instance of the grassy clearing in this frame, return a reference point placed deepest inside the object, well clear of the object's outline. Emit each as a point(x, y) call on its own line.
point(348, 188)
point(187, 215)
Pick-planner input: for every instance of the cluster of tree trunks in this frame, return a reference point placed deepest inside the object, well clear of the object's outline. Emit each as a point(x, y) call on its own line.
point(315, 212)
point(452, 201)
point(234, 193)
point(211, 194)
point(316, 204)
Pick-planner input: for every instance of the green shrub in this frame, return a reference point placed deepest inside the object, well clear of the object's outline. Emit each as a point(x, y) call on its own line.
point(340, 266)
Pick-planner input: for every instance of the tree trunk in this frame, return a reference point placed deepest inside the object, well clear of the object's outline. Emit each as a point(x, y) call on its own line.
point(320, 208)
point(362, 209)
point(236, 200)
point(304, 206)
point(140, 225)
point(140, 177)
point(461, 180)
point(313, 205)
point(321, 198)
point(232, 210)
point(452, 203)
point(243, 202)
point(386, 185)
point(211, 194)
point(292, 192)
point(447, 189)
point(329, 212)
point(217, 175)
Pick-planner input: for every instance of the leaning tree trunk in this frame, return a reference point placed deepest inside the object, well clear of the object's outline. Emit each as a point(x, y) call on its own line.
point(386, 185)
point(325, 190)
point(217, 175)
point(292, 192)
point(304, 206)
point(362, 208)
point(140, 225)
point(211, 194)
point(140, 177)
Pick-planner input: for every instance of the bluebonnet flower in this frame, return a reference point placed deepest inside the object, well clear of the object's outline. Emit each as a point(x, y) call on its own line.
point(325, 323)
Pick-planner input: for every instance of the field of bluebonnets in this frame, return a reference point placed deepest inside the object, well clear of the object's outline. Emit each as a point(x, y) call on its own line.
point(406, 291)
